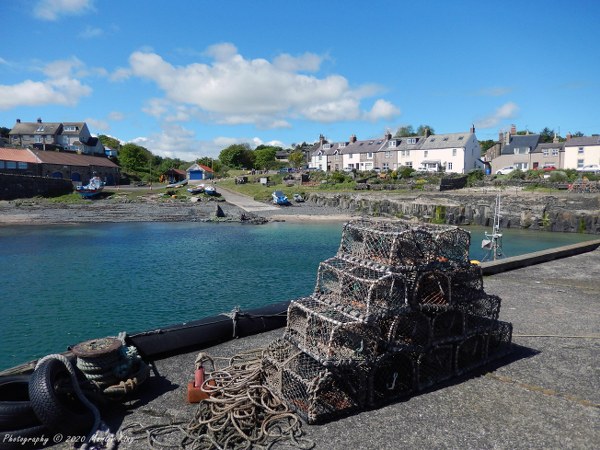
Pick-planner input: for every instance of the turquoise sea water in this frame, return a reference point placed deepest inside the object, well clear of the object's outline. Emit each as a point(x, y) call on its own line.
point(61, 285)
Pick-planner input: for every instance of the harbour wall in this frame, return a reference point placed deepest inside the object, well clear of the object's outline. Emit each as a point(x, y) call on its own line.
point(27, 186)
point(573, 213)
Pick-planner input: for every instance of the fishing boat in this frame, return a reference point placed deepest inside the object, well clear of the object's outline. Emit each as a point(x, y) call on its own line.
point(196, 189)
point(492, 243)
point(92, 189)
point(210, 190)
point(177, 184)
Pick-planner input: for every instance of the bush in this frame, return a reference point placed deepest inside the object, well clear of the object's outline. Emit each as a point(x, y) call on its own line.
point(338, 177)
point(558, 176)
point(405, 171)
point(516, 174)
point(474, 175)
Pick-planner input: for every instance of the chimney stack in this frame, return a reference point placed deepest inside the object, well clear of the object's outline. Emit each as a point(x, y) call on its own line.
point(427, 132)
point(18, 120)
point(513, 129)
point(388, 135)
point(39, 120)
point(473, 128)
point(353, 138)
point(500, 136)
point(569, 136)
point(555, 138)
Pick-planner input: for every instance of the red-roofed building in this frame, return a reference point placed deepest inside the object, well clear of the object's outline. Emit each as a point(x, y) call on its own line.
point(71, 166)
point(199, 172)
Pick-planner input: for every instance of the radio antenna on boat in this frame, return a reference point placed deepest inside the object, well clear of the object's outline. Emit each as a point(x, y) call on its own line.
point(493, 241)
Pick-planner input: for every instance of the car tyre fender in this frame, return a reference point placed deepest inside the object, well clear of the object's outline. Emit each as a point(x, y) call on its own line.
point(60, 413)
point(15, 408)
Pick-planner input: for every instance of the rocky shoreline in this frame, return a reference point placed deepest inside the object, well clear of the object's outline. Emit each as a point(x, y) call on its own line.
point(561, 212)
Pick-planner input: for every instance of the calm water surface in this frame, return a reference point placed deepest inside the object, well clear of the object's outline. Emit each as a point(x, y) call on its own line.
point(61, 285)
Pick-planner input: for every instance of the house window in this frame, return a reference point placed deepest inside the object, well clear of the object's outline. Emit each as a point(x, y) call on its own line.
point(453, 152)
point(580, 150)
point(579, 163)
point(522, 166)
point(449, 166)
point(342, 144)
point(545, 152)
point(22, 165)
point(425, 153)
point(1, 164)
point(70, 128)
point(386, 166)
point(337, 157)
point(39, 130)
point(350, 156)
point(320, 166)
point(13, 165)
point(412, 140)
point(320, 157)
point(554, 152)
point(392, 144)
point(408, 163)
point(388, 154)
point(369, 155)
point(521, 151)
point(445, 139)
point(460, 138)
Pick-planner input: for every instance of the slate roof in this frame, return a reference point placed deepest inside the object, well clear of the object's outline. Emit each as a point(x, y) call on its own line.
point(549, 145)
point(448, 140)
point(583, 141)
point(46, 128)
point(78, 127)
point(404, 143)
point(521, 141)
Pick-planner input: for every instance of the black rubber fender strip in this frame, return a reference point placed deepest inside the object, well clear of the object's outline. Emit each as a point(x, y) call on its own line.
point(15, 408)
point(26, 438)
point(198, 334)
point(63, 414)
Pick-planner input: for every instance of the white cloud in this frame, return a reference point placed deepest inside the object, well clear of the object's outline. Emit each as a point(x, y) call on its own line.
point(61, 87)
point(506, 111)
point(120, 74)
point(175, 141)
point(60, 91)
point(235, 90)
point(382, 109)
point(53, 9)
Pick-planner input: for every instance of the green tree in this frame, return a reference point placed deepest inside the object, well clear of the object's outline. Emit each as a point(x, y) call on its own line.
point(486, 145)
point(4, 132)
point(421, 130)
point(109, 142)
point(546, 135)
point(296, 159)
point(264, 157)
point(134, 158)
point(237, 155)
point(405, 131)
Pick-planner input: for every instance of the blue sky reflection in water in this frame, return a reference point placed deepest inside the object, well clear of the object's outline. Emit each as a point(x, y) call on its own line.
point(66, 284)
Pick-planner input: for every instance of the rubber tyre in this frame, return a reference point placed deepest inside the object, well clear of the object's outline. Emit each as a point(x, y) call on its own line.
point(15, 408)
point(27, 435)
point(59, 413)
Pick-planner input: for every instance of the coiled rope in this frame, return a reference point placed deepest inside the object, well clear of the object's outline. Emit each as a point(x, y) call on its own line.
point(241, 412)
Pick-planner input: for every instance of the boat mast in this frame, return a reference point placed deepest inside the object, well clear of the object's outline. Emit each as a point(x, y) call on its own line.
point(493, 241)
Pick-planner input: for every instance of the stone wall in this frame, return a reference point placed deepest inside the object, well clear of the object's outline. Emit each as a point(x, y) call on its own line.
point(573, 213)
point(27, 186)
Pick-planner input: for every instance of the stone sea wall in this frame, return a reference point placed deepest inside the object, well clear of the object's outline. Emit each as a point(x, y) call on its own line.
point(574, 213)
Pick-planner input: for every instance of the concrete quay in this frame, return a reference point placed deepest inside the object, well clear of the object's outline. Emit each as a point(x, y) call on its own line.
point(544, 395)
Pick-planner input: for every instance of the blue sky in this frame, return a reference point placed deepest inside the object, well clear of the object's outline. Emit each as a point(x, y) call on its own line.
point(188, 78)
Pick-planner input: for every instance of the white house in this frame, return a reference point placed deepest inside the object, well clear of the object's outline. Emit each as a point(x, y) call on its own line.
point(453, 152)
point(581, 151)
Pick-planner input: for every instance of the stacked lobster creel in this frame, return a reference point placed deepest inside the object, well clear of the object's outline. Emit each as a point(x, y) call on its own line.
point(397, 310)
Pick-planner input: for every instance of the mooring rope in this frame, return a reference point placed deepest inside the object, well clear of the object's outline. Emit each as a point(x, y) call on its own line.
point(240, 413)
